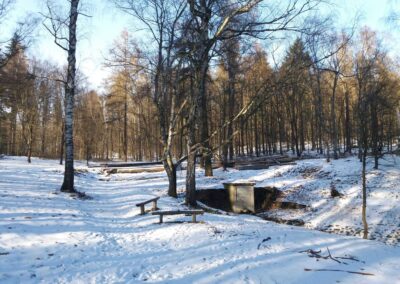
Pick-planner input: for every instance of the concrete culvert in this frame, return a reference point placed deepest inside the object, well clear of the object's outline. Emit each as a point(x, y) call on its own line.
point(252, 200)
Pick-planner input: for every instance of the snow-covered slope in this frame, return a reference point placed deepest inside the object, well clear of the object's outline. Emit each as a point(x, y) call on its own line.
point(48, 237)
point(310, 183)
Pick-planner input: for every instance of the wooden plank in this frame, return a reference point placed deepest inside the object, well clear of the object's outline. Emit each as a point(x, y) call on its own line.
point(194, 213)
point(177, 212)
point(132, 164)
point(238, 183)
point(148, 201)
point(252, 167)
point(132, 170)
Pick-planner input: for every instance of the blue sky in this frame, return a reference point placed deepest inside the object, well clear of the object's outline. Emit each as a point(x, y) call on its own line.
point(98, 32)
point(95, 37)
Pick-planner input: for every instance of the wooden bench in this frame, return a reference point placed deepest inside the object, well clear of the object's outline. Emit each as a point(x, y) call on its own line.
point(194, 213)
point(142, 204)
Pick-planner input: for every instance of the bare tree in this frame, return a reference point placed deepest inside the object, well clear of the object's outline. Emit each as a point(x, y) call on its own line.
point(367, 88)
point(161, 18)
point(230, 54)
point(68, 44)
point(215, 21)
point(336, 68)
point(5, 6)
point(123, 59)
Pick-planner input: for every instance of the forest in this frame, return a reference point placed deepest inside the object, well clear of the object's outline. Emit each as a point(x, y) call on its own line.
point(218, 97)
point(199, 85)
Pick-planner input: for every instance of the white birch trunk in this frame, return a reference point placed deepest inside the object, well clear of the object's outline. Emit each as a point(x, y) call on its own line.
point(68, 184)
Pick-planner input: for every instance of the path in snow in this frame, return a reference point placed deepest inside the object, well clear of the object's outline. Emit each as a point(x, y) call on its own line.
point(48, 237)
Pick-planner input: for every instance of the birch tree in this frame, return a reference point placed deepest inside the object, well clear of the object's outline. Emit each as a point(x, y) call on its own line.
point(68, 183)
point(67, 42)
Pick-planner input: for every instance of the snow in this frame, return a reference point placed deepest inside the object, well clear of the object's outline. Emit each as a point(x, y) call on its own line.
point(310, 182)
point(50, 237)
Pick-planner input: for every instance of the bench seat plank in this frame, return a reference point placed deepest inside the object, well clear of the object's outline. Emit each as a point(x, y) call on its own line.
point(177, 212)
point(194, 213)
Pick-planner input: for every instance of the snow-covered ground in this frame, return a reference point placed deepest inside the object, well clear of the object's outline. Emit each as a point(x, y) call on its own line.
point(49, 237)
point(310, 183)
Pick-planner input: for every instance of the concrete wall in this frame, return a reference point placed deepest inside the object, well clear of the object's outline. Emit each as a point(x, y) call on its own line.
point(241, 197)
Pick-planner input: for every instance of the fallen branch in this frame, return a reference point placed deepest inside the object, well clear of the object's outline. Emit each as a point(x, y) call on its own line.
point(263, 241)
point(312, 252)
point(350, 258)
point(317, 254)
point(331, 257)
point(340, 270)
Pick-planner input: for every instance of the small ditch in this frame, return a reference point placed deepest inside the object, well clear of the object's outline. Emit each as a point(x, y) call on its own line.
point(265, 198)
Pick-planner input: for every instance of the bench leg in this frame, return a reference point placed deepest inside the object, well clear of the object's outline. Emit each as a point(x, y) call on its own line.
point(154, 205)
point(161, 219)
point(142, 210)
point(194, 218)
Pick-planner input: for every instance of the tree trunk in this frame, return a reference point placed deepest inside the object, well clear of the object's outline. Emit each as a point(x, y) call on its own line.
point(231, 105)
point(30, 142)
point(204, 135)
point(44, 120)
point(374, 134)
point(87, 154)
point(328, 153)
point(347, 123)
point(68, 184)
point(334, 131)
point(191, 169)
point(126, 125)
point(264, 131)
point(301, 126)
point(364, 194)
point(255, 133)
point(13, 131)
point(43, 134)
point(224, 136)
point(171, 174)
point(62, 143)
point(319, 113)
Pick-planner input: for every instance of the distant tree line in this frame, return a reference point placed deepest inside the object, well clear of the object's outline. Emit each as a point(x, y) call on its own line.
point(204, 86)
